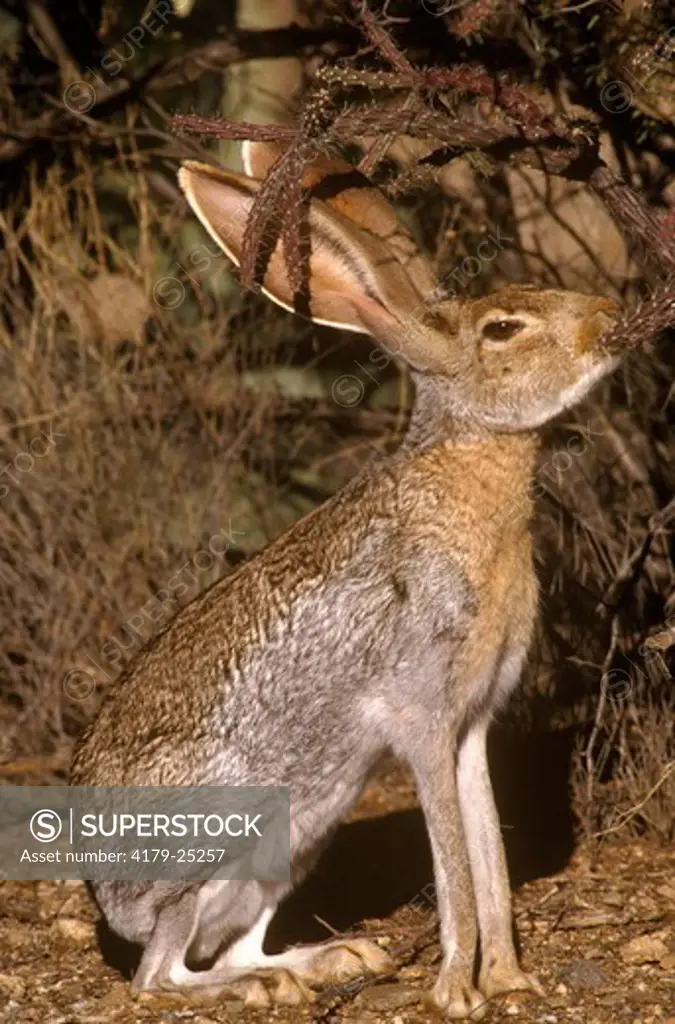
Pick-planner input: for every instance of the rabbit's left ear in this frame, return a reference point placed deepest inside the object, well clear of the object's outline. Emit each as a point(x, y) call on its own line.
point(356, 281)
point(346, 190)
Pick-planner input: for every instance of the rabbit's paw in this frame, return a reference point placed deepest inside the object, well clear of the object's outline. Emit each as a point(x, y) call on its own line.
point(455, 998)
point(280, 987)
point(498, 979)
point(347, 965)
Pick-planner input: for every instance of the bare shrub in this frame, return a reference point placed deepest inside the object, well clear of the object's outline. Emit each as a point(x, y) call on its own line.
point(140, 445)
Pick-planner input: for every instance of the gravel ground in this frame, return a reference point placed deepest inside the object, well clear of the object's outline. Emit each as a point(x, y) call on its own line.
point(599, 933)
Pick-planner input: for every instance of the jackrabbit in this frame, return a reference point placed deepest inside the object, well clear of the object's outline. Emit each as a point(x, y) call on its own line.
point(396, 616)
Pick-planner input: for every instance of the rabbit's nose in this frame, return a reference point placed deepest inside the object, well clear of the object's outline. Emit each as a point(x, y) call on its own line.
point(610, 307)
point(598, 319)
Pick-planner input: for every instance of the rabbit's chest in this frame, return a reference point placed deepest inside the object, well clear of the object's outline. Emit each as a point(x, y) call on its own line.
point(501, 627)
point(506, 588)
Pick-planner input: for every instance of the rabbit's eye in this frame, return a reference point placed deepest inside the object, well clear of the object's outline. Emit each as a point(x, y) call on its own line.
point(502, 330)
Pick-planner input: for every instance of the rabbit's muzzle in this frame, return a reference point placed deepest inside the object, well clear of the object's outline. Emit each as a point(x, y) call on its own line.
point(599, 319)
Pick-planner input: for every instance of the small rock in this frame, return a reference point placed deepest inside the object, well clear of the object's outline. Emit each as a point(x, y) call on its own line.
point(14, 935)
point(512, 1010)
point(161, 1001)
point(75, 930)
point(118, 992)
point(412, 972)
point(582, 974)
point(613, 898)
point(668, 962)
point(389, 996)
point(561, 989)
point(12, 987)
point(644, 950)
point(72, 906)
point(649, 909)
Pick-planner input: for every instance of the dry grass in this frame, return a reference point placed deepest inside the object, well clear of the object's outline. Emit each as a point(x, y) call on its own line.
point(625, 783)
point(604, 544)
point(138, 443)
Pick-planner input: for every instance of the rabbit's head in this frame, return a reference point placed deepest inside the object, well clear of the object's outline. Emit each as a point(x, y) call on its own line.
point(508, 361)
point(520, 355)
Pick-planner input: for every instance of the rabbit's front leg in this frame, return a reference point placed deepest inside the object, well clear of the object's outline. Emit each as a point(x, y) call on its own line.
point(499, 970)
point(434, 762)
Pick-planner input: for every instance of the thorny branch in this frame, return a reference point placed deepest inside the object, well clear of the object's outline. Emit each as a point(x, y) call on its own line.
point(517, 131)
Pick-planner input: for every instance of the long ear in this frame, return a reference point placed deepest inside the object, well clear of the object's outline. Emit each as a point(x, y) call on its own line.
point(355, 280)
point(344, 189)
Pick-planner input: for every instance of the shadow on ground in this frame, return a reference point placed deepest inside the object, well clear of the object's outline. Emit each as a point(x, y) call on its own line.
point(376, 865)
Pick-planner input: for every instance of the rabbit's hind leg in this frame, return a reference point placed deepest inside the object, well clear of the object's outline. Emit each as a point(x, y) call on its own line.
point(243, 971)
point(194, 926)
point(165, 952)
point(342, 964)
point(288, 977)
point(189, 928)
point(203, 921)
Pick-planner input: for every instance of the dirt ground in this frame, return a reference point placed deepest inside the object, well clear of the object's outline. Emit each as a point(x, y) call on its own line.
point(599, 932)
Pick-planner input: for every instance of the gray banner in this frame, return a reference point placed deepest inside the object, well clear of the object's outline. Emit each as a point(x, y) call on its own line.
point(130, 833)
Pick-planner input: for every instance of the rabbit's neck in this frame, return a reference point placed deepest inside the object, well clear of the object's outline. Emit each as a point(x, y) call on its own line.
point(433, 421)
point(469, 463)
